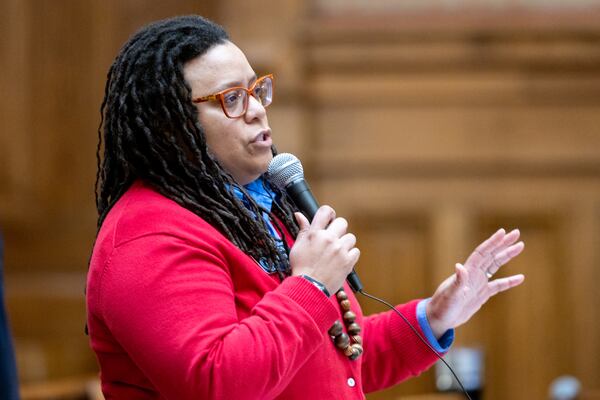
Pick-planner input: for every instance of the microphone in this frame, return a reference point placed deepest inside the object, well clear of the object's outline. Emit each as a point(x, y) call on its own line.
point(286, 172)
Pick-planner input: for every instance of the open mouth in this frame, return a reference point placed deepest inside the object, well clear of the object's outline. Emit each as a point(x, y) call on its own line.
point(263, 136)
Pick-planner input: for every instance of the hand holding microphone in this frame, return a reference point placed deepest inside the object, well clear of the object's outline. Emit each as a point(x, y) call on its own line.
point(323, 249)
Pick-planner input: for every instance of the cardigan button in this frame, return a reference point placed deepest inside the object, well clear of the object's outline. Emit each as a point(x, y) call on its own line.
point(351, 382)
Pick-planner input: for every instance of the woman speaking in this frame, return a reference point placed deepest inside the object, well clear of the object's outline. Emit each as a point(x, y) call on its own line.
point(205, 282)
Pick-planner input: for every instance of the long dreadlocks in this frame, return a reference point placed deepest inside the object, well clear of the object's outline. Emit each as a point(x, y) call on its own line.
point(150, 131)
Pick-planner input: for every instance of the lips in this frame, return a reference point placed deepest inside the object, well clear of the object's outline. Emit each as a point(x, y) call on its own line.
point(263, 137)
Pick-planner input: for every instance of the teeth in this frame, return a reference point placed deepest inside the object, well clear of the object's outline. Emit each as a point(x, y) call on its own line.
point(262, 137)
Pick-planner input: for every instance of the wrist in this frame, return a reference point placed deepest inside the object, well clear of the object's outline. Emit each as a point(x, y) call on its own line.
point(318, 284)
point(437, 325)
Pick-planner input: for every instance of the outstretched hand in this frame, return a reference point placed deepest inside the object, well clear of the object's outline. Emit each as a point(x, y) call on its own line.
point(462, 294)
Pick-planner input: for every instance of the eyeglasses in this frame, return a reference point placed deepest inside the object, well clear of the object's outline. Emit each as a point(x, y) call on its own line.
point(234, 101)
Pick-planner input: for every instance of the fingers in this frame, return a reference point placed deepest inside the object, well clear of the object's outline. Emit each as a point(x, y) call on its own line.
point(503, 257)
point(348, 241)
point(303, 223)
point(490, 255)
point(323, 218)
point(353, 256)
point(461, 274)
point(510, 238)
point(482, 252)
point(491, 243)
point(338, 227)
point(500, 285)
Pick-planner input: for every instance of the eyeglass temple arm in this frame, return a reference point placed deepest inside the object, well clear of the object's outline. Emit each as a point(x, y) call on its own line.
point(205, 98)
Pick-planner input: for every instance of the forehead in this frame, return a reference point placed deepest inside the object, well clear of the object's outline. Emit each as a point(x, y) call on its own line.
point(221, 66)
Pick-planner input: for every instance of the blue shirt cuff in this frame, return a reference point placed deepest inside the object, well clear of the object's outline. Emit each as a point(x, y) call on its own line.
point(440, 345)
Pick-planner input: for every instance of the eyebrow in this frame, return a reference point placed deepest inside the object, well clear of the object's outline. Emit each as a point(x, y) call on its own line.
point(232, 84)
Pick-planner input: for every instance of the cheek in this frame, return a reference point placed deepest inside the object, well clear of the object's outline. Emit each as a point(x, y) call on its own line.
point(213, 131)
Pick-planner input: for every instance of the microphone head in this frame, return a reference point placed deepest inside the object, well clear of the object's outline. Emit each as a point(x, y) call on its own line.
point(285, 168)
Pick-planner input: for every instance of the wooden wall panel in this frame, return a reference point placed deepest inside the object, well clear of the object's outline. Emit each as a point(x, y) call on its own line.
point(54, 56)
point(16, 161)
point(473, 135)
point(525, 135)
point(529, 336)
point(394, 250)
point(519, 329)
point(427, 132)
point(582, 240)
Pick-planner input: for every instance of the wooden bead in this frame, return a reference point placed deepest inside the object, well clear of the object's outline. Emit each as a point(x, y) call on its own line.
point(345, 304)
point(342, 341)
point(357, 339)
point(349, 351)
point(353, 328)
point(356, 351)
point(341, 295)
point(336, 328)
point(349, 317)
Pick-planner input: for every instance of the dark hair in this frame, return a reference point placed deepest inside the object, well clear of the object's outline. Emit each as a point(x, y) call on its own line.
point(151, 132)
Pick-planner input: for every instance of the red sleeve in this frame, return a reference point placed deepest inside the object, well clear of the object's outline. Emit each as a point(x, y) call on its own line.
point(392, 351)
point(171, 306)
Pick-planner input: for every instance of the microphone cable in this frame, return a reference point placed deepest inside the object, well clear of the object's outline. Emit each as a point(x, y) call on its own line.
point(419, 336)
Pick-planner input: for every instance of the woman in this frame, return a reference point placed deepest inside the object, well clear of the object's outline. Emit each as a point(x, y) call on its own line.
point(204, 283)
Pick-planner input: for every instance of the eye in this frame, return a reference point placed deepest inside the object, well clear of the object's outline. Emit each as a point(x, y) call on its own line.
point(231, 98)
point(261, 91)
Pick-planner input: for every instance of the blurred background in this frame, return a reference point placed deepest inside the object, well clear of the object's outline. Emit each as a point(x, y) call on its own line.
point(428, 124)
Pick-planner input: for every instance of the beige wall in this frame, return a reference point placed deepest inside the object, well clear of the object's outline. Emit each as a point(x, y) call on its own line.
point(427, 131)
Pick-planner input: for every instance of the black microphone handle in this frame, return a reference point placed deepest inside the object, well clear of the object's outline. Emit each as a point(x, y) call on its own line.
point(303, 198)
point(300, 193)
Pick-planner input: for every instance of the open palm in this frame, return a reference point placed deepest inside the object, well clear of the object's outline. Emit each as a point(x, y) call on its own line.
point(462, 294)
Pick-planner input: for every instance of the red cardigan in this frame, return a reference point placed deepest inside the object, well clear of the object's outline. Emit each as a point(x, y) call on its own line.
point(176, 311)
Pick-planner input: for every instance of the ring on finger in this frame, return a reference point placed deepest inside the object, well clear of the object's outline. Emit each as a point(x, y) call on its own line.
point(492, 268)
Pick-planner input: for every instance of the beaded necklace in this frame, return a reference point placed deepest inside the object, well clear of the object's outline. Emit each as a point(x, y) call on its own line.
point(350, 343)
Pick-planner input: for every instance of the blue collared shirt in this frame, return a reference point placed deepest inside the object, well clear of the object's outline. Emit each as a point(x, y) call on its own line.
point(263, 196)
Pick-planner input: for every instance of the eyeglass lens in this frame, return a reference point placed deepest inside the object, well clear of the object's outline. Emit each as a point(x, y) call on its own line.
point(236, 101)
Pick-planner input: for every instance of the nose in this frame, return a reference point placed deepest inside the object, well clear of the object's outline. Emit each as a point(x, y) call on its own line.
point(255, 109)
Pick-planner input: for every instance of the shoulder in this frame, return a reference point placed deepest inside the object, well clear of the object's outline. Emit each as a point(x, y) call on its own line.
point(143, 212)
point(149, 238)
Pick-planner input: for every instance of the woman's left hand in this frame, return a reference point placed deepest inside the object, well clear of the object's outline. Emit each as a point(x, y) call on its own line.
point(462, 294)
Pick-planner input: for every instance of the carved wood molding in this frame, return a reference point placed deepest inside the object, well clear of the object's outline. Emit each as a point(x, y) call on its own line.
point(462, 21)
point(391, 96)
point(384, 51)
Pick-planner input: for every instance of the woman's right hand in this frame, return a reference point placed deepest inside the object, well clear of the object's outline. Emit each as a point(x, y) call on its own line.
point(323, 249)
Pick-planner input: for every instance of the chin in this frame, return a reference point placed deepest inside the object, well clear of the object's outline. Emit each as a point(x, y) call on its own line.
point(256, 170)
point(265, 162)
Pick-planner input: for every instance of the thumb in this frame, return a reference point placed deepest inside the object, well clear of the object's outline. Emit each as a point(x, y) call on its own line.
point(303, 223)
point(461, 273)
